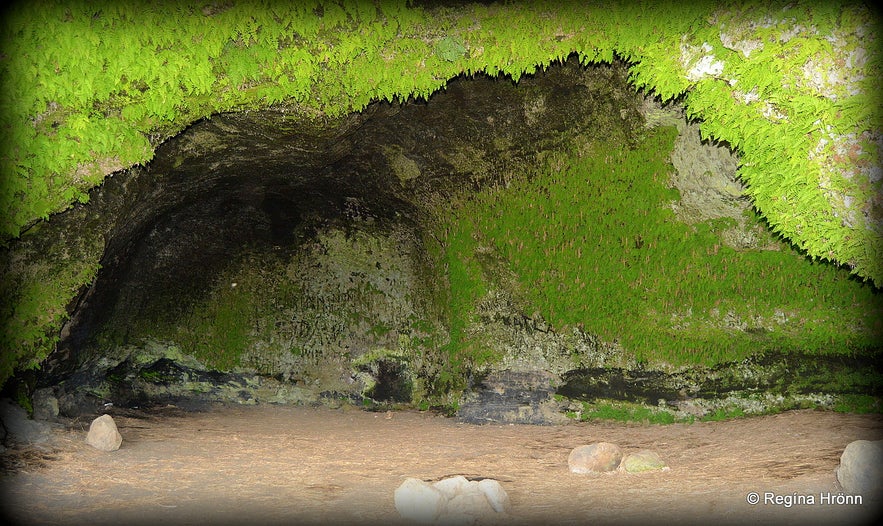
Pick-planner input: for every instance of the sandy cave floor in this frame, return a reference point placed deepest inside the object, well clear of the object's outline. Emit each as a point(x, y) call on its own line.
point(300, 465)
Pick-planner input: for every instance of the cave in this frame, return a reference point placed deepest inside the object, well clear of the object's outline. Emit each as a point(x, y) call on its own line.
point(305, 257)
point(330, 223)
point(265, 257)
point(498, 236)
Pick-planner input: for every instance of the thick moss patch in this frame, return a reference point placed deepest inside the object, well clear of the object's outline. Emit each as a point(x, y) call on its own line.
point(594, 242)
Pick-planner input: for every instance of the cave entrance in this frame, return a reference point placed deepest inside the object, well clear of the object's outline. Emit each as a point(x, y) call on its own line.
point(265, 242)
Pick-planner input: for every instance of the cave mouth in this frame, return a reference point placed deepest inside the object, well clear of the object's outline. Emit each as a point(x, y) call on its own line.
point(393, 384)
point(267, 257)
point(267, 242)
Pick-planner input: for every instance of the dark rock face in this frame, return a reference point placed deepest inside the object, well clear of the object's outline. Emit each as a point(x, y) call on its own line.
point(772, 373)
point(512, 397)
point(392, 383)
point(767, 381)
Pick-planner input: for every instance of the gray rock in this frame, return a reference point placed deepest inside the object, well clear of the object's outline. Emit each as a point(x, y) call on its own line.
point(20, 428)
point(601, 457)
point(861, 468)
point(45, 404)
point(642, 461)
point(103, 434)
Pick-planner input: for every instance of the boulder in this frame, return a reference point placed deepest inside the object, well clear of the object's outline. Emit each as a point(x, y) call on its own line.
point(19, 428)
point(453, 486)
point(861, 468)
point(103, 434)
point(601, 457)
point(642, 461)
point(468, 507)
point(45, 405)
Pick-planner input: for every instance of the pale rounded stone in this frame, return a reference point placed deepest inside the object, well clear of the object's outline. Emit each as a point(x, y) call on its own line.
point(453, 486)
point(861, 468)
point(642, 461)
point(103, 434)
point(453, 500)
point(495, 494)
point(600, 457)
point(416, 500)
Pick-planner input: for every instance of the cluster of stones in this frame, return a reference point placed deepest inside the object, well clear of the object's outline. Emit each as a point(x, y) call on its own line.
point(458, 500)
point(604, 457)
point(453, 500)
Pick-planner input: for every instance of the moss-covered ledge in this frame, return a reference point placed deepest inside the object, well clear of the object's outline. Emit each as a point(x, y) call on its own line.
point(90, 89)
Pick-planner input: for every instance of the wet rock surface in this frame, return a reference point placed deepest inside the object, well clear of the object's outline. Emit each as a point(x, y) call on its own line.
point(512, 397)
point(767, 382)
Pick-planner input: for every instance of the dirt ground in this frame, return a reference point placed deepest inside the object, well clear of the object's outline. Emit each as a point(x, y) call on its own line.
point(299, 465)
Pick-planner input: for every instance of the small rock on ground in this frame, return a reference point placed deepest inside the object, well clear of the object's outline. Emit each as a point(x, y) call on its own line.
point(641, 462)
point(103, 434)
point(601, 457)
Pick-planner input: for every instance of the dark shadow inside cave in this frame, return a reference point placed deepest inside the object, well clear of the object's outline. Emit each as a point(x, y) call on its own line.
point(393, 384)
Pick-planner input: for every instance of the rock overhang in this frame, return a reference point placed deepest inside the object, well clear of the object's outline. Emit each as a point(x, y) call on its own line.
point(269, 180)
point(728, 71)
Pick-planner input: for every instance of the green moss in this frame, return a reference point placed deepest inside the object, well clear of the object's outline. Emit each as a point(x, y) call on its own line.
point(404, 168)
point(38, 282)
point(310, 314)
point(217, 332)
point(723, 413)
point(595, 244)
point(149, 71)
point(153, 377)
point(858, 403)
point(90, 88)
point(621, 412)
